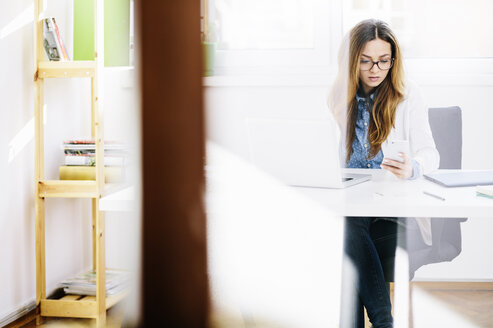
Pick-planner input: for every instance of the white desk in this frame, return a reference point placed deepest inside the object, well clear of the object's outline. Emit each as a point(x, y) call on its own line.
point(385, 195)
point(121, 200)
point(261, 233)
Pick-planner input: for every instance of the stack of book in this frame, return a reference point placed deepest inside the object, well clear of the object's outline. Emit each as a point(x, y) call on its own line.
point(80, 160)
point(53, 43)
point(85, 283)
point(485, 191)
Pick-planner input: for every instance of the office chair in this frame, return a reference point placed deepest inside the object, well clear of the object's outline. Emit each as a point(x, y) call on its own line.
point(446, 127)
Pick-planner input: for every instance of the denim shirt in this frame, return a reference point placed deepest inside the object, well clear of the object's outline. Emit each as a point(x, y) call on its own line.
point(361, 145)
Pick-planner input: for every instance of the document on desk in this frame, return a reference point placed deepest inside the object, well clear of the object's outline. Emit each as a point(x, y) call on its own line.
point(398, 190)
point(380, 194)
point(407, 192)
point(485, 191)
point(408, 196)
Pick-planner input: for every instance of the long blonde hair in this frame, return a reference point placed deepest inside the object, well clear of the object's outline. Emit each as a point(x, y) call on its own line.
point(390, 92)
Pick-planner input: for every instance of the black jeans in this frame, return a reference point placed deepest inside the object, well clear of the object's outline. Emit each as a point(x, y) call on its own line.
point(369, 247)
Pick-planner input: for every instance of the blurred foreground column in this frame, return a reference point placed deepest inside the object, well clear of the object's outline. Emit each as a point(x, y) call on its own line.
point(174, 277)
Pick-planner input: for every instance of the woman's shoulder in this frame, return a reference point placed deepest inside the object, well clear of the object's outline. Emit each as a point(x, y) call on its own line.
point(413, 97)
point(411, 89)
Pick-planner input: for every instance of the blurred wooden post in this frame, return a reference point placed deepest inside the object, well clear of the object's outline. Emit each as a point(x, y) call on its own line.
point(174, 279)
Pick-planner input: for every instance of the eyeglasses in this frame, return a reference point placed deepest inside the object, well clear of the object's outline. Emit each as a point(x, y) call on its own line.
point(366, 65)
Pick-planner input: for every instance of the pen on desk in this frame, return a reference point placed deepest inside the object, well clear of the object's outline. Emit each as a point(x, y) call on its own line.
point(433, 195)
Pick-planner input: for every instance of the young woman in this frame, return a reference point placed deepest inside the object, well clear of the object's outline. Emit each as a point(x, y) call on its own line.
point(374, 105)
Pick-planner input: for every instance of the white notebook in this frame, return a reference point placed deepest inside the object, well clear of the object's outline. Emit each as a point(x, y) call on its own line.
point(462, 178)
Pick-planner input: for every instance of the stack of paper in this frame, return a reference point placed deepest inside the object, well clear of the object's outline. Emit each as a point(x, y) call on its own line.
point(85, 283)
point(80, 160)
point(82, 152)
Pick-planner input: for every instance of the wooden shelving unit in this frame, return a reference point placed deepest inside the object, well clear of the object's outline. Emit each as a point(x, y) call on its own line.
point(77, 306)
point(70, 305)
point(68, 69)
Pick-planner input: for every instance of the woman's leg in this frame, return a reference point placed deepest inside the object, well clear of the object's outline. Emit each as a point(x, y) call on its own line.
point(369, 280)
point(386, 235)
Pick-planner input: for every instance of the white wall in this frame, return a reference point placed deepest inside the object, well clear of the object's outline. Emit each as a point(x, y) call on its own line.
point(65, 223)
point(230, 100)
point(68, 221)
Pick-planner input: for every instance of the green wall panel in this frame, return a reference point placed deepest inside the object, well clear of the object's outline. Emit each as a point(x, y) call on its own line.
point(116, 31)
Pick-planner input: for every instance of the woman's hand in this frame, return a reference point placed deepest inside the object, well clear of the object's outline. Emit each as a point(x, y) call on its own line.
point(402, 170)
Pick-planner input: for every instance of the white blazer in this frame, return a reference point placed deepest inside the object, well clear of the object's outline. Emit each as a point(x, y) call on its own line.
point(411, 123)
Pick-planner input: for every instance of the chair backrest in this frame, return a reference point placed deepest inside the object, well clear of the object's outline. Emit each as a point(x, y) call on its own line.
point(446, 127)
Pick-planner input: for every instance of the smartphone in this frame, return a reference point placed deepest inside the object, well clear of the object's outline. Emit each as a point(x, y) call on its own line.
point(395, 147)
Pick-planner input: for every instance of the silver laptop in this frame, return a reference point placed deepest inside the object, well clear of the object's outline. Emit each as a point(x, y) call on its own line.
point(299, 152)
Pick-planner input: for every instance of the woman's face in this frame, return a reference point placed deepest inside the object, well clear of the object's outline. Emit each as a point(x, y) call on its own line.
point(373, 51)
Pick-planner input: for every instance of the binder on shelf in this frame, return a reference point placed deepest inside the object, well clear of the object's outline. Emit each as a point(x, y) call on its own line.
point(112, 174)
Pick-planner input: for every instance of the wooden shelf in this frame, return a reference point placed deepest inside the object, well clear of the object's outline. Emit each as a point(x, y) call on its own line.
point(66, 69)
point(69, 305)
point(77, 306)
point(68, 189)
point(76, 188)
